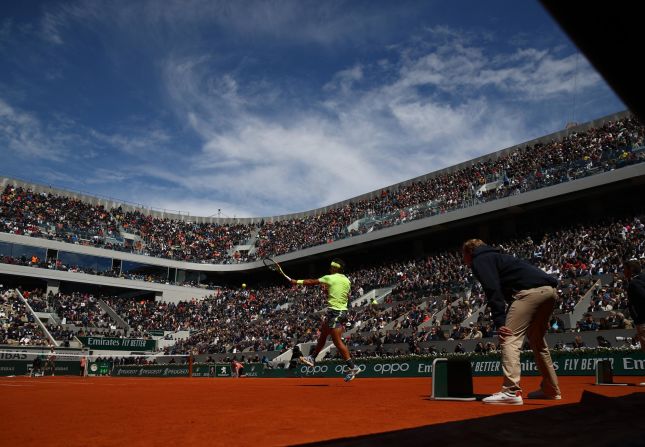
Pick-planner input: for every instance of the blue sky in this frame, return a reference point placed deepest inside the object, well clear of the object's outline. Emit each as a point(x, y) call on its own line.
point(264, 108)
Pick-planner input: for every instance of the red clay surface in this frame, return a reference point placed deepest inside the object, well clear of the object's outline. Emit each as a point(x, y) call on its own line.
point(105, 411)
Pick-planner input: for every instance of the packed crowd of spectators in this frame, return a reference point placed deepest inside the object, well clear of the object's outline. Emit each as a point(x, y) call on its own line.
point(607, 308)
point(81, 310)
point(62, 334)
point(182, 240)
point(613, 145)
point(230, 320)
point(612, 320)
point(79, 315)
point(577, 155)
point(611, 297)
point(46, 215)
point(236, 320)
point(571, 292)
point(151, 315)
point(37, 299)
point(17, 325)
point(598, 250)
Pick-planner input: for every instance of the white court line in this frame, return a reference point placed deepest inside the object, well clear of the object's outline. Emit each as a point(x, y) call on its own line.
point(45, 382)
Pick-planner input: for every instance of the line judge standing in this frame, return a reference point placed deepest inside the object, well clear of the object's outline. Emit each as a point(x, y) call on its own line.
point(521, 298)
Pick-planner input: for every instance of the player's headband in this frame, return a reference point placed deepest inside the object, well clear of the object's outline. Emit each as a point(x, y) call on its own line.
point(335, 264)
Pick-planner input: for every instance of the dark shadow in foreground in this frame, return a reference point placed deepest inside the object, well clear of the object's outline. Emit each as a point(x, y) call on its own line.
point(597, 420)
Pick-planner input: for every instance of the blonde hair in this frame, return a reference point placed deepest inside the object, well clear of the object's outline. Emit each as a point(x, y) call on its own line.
point(471, 244)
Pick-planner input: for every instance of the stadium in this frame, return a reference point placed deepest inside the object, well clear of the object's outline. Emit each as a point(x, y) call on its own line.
point(122, 323)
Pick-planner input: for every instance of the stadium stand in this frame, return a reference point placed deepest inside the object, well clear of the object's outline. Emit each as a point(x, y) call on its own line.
point(427, 299)
point(18, 324)
point(578, 154)
point(272, 318)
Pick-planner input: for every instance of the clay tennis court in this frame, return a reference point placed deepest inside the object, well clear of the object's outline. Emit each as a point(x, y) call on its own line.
point(105, 411)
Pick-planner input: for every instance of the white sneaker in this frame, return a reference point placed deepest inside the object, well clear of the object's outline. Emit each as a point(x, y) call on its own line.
point(505, 398)
point(308, 360)
point(539, 394)
point(351, 374)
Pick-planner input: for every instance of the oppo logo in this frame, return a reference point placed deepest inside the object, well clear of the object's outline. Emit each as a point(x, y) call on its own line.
point(314, 369)
point(390, 368)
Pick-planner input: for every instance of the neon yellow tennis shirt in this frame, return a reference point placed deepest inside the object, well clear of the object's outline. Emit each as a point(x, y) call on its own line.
point(338, 290)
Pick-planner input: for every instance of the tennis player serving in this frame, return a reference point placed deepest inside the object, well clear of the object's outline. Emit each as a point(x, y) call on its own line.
point(338, 286)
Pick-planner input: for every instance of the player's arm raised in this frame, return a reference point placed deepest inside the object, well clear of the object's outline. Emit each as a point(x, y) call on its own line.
point(305, 282)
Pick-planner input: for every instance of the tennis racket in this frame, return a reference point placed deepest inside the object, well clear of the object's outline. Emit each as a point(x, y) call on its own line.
point(272, 265)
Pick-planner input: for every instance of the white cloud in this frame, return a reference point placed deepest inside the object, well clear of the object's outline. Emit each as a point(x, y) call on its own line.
point(363, 136)
point(52, 25)
point(140, 142)
point(56, 177)
point(168, 24)
point(24, 136)
point(438, 99)
point(345, 79)
point(105, 175)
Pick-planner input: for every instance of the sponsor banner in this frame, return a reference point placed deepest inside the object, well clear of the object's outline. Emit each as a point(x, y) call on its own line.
point(168, 370)
point(212, 370)
point(223, 370)
point(118, 344)
point(30, 355)
point(624, 363)
point(203, 370)
point(253, 369)
point(22, 355)
point(386, 368)
point(22, 368)
point(578, 363)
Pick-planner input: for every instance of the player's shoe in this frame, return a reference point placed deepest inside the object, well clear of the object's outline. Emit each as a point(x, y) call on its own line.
point(539, 394)
point(505, 398)
point(352, 373)
point(308, 360)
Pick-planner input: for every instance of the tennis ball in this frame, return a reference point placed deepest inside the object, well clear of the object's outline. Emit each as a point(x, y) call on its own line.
point(244, 285)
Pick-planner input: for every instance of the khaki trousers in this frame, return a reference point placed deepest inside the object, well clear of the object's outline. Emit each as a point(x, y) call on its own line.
point(529, 316)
